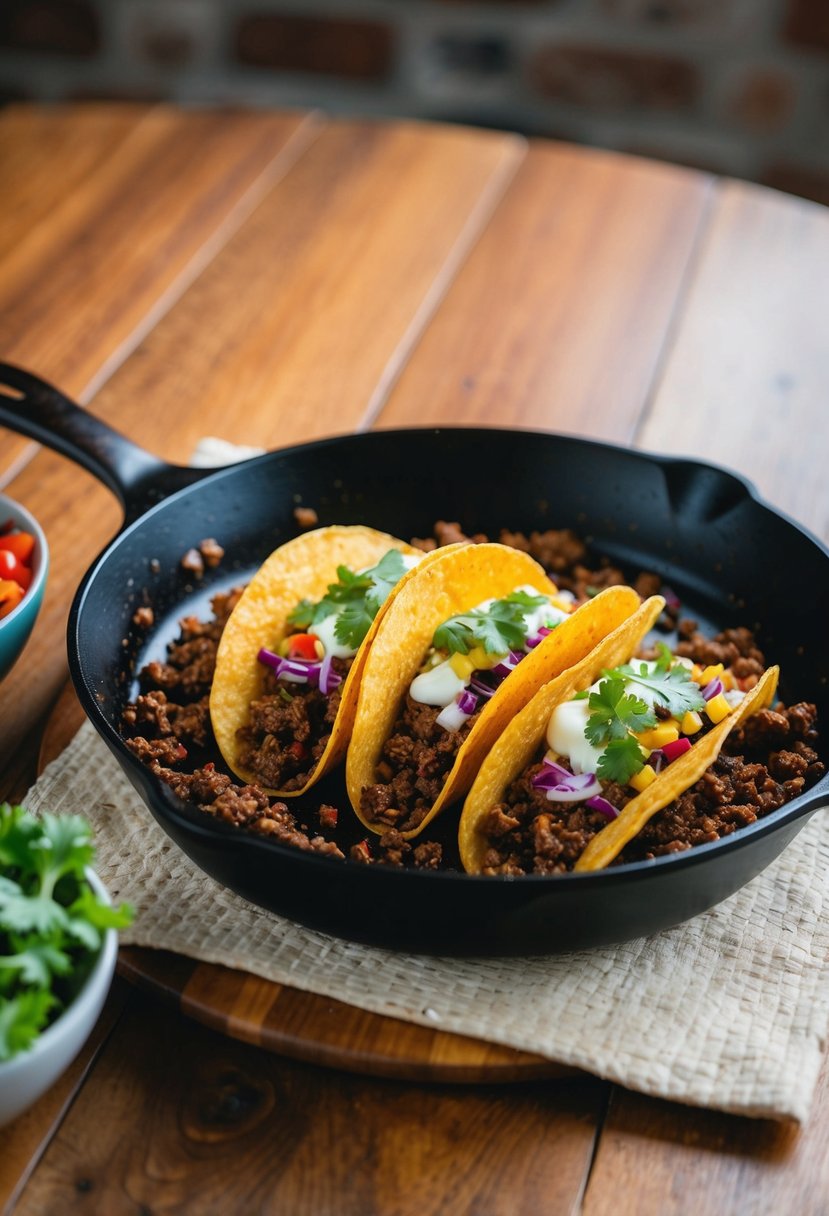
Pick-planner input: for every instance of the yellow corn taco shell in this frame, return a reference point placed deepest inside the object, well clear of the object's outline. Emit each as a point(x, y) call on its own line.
point(674, 780)
point(455, 583)
point(518, 744)
point(300, 569)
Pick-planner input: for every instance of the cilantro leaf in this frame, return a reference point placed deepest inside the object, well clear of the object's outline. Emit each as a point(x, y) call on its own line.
point(51, 921)
point(355, 599)
point(498, 629)
point(614, 713)
point(21, 1019)
point(673, 687)
point(621, 760)
point(353, 623)
point(384, 576)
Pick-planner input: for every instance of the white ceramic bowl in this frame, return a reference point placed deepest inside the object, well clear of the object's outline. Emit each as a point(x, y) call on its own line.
point(26, 1076)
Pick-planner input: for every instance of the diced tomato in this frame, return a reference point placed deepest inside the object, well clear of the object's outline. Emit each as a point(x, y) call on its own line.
point(297, 750)
point(11, 568)
point(11, 594)
point(21, 544)
point(302, 646)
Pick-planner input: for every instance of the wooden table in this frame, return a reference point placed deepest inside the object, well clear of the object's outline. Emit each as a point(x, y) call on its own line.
point(276, 277)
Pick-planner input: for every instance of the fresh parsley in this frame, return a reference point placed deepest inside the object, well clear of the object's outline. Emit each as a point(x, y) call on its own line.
point(498, 629)
point(355, 598)
point(51, 921)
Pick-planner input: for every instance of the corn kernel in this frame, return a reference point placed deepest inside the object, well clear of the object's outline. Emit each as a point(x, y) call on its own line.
point(711, 673)
point(691, 723)
point(562, 604)
point(727, 681)
point(696, 673)
point(659, 735)
point(481, 659)
point(641, 780)
point(718, 708)
point(462, 665)
point(283, 647)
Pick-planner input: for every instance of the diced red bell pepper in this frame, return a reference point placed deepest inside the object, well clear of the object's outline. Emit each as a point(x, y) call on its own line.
point(11, 567)
point(21, 544)
point(11, 593)
point(302, 646)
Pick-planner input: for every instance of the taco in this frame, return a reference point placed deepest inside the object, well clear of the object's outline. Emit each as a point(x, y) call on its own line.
point(290, 658)
point(459, 652)
point(594, 755)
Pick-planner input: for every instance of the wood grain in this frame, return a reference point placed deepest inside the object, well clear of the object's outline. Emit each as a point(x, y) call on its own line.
point(324, 290)
point(300, 1024)
point(23, 1141)
point(745, 381)
point(119, 247)
point(678, 1161)
point(45, 155)
point(559, 316)
point(224, 1128)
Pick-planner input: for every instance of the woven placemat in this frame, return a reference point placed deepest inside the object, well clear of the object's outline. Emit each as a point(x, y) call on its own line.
point(729, 1011)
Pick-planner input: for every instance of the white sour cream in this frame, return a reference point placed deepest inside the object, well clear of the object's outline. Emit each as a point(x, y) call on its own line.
point(565, 731)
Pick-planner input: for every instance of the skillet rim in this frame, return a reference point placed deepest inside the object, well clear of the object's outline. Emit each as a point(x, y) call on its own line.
point(804, 805)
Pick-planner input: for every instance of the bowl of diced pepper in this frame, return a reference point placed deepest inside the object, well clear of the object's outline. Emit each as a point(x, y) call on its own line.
point(24, 562)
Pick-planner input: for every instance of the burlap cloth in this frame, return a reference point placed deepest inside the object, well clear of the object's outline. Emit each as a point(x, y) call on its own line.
point(729, 1011)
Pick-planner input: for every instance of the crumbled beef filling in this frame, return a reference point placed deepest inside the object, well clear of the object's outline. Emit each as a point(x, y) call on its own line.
point(416, 760)
point(288, 730)
point(764, 764)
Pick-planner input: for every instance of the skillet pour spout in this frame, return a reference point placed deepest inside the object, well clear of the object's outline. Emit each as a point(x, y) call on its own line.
point(731, 557)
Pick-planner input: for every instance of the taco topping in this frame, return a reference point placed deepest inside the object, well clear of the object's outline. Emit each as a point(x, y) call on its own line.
point(474, 652)
point(290, 724)
point(342, 618)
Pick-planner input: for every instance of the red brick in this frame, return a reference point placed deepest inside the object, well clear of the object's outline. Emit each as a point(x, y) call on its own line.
point(710, 14)
point(602, 79)
point(796, 179)
point(807, 23)
point(330, 46)
point(763, 101)
point(66, 27)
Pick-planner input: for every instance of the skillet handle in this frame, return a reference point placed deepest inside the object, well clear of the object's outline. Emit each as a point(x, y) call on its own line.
point(38, 410)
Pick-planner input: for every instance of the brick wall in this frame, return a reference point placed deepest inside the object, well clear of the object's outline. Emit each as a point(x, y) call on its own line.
point(737, 86)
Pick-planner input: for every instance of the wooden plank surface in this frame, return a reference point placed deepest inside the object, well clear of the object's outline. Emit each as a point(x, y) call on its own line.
point(23, 1141)
point(45, 155)
point(324, 287)
point(678, 1161)
point(175, 1117)
point(559, 317)
point(118, 247)
point(745, 382)
point(321, 294)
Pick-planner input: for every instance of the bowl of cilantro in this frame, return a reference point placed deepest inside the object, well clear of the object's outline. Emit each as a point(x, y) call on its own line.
point(58, 944)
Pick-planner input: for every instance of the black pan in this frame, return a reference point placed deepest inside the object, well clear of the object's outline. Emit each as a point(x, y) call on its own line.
point(731, 557)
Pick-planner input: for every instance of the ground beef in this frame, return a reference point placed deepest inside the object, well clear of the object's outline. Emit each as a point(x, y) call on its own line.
point(416, 760)
point(528, 834)
point(771, 760)
point(211, 551)
point(288, 730)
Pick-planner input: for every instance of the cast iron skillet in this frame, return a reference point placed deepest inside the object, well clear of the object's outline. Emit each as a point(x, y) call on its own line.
point(732, 559)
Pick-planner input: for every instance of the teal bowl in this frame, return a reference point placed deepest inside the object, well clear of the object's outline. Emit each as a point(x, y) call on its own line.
point(16, 627)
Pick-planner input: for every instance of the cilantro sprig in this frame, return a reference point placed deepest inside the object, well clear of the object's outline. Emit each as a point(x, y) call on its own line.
point(355, 598)
point(616, 714)
point(498, 629)
point(51, 921)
